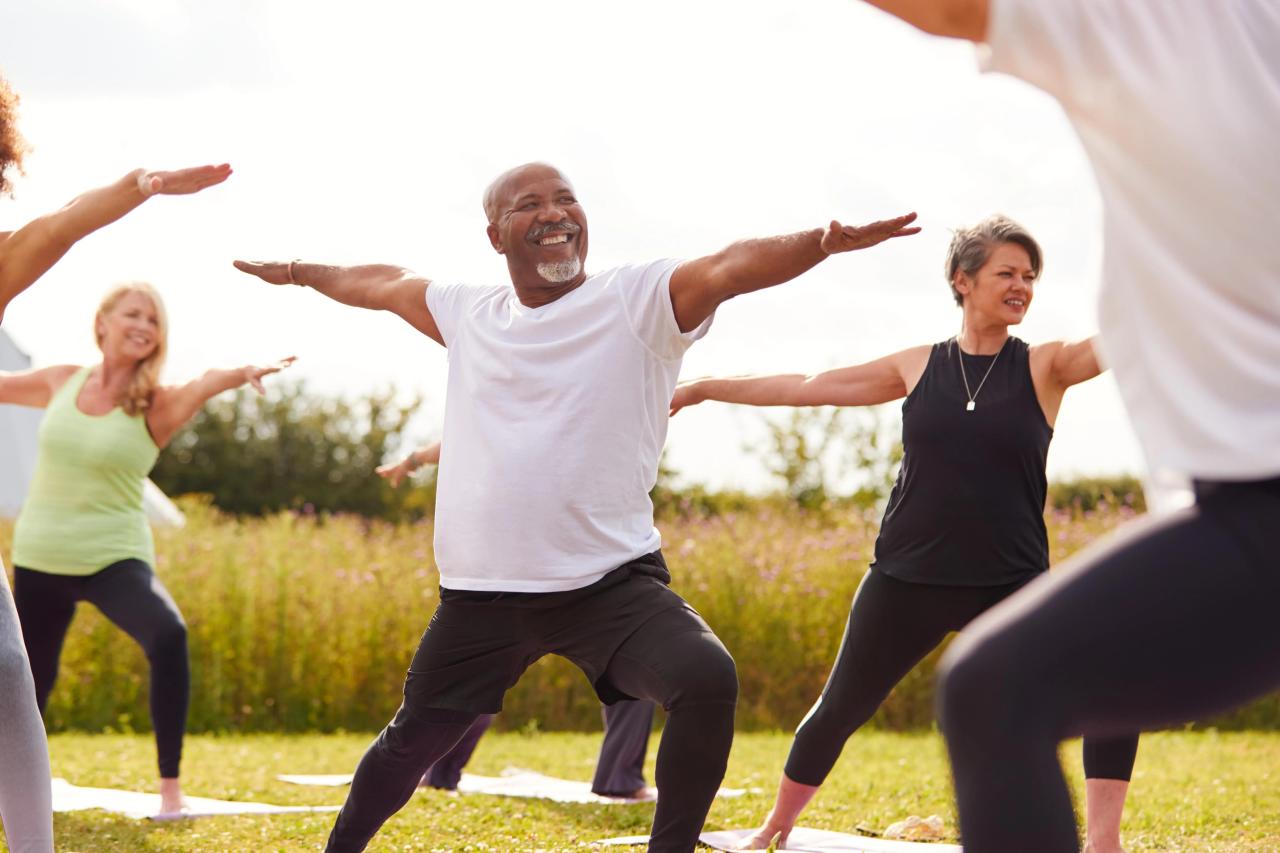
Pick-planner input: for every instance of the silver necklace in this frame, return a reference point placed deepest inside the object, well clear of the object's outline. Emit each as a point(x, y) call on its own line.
point(973, 395)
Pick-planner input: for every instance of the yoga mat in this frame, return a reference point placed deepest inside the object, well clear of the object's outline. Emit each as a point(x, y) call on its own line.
point(805, 841)
point(526, 783)
point(327, 780)
point(135, 804)
point(512, 783)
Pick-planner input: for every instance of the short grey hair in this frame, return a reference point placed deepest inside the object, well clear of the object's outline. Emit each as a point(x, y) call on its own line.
point(971, 247)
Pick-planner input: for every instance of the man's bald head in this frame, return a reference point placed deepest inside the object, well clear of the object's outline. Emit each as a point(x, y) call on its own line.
point(501, 188)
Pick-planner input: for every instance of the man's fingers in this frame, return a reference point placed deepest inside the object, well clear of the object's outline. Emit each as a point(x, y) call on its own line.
point(889, 225)
point(262, 269)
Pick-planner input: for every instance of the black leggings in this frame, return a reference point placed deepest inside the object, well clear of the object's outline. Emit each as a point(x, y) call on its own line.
point(1170, 620)
point(892, 626)
point(132, 597)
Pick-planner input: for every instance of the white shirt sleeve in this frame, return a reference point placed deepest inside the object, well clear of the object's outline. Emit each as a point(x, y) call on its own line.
point(646, 295)
point(447, 302)
point(1068, 48)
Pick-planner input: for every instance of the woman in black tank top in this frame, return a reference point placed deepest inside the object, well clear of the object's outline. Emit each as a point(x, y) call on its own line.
point(964, 526)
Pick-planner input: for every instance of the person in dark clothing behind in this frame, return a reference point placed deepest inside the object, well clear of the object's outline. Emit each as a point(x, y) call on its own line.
point(964, 526)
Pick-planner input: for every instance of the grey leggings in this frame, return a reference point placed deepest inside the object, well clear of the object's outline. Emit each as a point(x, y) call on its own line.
point(1172, 620)
point(25, 804)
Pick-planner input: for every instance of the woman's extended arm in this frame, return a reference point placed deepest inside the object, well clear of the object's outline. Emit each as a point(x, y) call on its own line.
point(1056, 366)
point(29, 252)
point(879, 381)
point(34, 387)
point(177, 404)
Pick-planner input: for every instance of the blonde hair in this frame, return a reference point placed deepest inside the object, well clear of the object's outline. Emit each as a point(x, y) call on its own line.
point(137, 397)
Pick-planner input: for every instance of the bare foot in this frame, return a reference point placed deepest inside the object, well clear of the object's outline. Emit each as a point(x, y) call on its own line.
point(171, 802)
point(765, 836)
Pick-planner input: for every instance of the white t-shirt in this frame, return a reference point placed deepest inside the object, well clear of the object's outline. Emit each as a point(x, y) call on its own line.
point(1177, 103)
point(553, 423)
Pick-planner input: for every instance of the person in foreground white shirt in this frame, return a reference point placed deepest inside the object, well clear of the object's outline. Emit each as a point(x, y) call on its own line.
point(1177, 104)
point(556, 411)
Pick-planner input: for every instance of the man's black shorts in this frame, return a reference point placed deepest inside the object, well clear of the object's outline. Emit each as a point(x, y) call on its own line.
point(478, 644)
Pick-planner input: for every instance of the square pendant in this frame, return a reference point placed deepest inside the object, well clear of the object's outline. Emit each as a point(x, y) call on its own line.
point(969, 406)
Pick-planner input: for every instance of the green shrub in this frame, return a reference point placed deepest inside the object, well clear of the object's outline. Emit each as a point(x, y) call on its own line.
point(291, 449)
point(1087, 494)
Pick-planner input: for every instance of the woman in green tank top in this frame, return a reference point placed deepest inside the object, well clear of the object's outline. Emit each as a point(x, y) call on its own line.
point(82, 534)
point(25, 255)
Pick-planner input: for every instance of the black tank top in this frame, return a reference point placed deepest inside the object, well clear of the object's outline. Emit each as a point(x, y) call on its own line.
point(968, 506)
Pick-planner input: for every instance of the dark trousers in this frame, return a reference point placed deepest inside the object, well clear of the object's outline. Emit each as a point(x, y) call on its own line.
point(1170, 620)
point(132, 597)
point(892, 626)
point(619, 769)
point(631, 635)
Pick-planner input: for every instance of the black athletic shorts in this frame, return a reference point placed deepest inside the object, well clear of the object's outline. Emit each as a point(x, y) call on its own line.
point(478, 644)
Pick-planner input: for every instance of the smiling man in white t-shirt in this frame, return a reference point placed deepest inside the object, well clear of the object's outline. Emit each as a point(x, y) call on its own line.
point(559, 385)
point(1177, 104)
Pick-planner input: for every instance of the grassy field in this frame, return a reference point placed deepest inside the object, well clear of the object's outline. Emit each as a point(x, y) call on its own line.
point(304, 624)
point(1192, 791)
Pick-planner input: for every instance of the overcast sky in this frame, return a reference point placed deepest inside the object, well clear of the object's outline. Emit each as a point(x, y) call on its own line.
point(367, 133)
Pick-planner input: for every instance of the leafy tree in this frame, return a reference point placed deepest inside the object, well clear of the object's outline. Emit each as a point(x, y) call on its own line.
point(817, 453)
point(293, 450)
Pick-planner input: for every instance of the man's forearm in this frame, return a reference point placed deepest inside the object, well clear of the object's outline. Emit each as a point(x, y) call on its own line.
point(751, 265)
point(367, 286)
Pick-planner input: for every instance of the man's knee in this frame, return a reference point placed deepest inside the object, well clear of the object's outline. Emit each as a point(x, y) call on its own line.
point(411, 734)
point(705, 674)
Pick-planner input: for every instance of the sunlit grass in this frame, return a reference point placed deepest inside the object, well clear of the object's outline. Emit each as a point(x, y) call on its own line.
point(1191, 792)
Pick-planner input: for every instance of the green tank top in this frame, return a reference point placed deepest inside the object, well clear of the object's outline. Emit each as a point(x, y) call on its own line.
point(84, 509)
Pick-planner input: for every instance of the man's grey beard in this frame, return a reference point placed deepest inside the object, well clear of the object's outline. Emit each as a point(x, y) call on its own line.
point(560, 271)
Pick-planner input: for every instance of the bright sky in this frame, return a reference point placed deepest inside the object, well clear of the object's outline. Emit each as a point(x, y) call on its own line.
point(368, 136)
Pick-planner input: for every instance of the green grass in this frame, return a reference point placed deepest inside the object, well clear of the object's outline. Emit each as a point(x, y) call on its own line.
point(1192, 791)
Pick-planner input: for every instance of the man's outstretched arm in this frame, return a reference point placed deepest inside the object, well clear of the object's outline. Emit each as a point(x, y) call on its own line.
point(698, 287)
point(378, 287)
point(964, 19)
